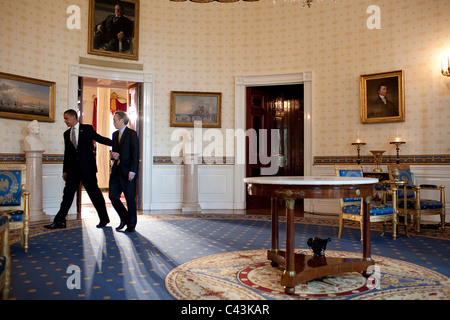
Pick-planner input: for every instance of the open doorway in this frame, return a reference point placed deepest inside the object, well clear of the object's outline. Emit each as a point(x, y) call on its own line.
point(98, 100)
point(278, 107)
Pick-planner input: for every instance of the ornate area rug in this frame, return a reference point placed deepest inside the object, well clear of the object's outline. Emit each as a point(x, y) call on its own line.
point(247, 275)
point(212, 257)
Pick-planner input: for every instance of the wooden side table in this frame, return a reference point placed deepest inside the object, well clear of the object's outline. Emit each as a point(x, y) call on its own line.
point(300, 268)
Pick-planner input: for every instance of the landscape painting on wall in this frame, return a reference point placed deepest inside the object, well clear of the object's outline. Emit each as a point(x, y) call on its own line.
point(188, 107)
point(25, 98)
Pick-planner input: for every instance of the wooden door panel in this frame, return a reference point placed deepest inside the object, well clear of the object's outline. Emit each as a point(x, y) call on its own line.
point(261, 114)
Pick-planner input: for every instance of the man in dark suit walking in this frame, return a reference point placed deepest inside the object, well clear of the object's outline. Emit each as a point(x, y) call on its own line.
point(80, 166)
point(125, 152)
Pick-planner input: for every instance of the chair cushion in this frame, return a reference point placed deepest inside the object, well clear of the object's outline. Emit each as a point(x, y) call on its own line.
point(376, 209)
point(351, 199)
point(15, 215)
point(433, 186)
point(425, 204)
point(10, 193)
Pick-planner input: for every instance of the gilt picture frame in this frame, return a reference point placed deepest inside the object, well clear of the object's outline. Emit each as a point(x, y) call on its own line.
point(104, 29)
point(24, 98)
point(382, 97)
point(186, 107)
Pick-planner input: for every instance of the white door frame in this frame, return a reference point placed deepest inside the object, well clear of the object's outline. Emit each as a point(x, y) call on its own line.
point(241, 84)
point(146, 122)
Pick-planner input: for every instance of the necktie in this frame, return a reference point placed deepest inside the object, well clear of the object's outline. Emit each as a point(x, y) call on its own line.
point(73, 138)
point(120, 136)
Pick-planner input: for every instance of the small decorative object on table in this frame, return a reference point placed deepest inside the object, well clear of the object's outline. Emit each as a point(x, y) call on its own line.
point(377, 155)
point(318, 246)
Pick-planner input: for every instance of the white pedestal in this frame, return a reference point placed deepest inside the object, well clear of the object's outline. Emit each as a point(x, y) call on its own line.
point(34, 184)
point(190, 184)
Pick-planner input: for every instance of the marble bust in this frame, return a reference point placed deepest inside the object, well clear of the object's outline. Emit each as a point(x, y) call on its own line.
point(32, 141)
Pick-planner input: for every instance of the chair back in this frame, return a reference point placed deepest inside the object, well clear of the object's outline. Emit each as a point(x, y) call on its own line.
point(12, 180)
point(349, 171)
point(404, 174)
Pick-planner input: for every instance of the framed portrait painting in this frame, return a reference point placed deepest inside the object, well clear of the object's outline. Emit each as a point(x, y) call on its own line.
point(382, 97)
point(25, 98)
point(187, 107)
point(114, 28)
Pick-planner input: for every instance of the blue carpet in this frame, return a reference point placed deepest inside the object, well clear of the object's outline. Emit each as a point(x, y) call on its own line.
point(112, 265)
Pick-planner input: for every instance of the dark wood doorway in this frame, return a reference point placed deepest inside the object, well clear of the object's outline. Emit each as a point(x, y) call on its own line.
point(282, 108)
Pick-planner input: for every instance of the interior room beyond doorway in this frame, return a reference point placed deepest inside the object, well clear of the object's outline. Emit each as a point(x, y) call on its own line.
point(100, 99)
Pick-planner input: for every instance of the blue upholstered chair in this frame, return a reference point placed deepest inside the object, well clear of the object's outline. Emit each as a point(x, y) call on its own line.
point(350, 208)
point(14, 199)
point(416, 205)
point(5, 258)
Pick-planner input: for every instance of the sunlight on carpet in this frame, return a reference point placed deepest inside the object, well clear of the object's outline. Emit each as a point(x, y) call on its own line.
point(198, 256)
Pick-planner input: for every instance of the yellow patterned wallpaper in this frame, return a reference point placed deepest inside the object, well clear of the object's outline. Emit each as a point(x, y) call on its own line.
point(202, 47)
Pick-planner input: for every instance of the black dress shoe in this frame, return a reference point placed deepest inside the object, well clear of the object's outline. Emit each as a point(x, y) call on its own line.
point(129, 229)
point(56, 225)
point(102, 224)
point(121, 226)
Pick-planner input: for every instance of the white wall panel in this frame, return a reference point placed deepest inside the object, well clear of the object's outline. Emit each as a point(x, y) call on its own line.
point(53, 185)
point(215, 184)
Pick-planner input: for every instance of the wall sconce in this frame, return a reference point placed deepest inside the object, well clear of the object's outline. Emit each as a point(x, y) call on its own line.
point(445, 67)
point(397, 142)
point(358, 143)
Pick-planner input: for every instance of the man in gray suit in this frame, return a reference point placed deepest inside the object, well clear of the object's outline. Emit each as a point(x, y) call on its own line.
point(125, 152)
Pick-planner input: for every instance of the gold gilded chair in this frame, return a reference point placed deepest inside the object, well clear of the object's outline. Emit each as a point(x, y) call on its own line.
point(350, 208)
point(5, 258)
point(14, 199)
point(416, 205)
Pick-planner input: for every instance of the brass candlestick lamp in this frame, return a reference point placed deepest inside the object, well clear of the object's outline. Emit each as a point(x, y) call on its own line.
point(358, 145)
point(397, 143)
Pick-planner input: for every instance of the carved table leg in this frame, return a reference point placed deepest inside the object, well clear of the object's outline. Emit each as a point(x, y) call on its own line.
point(289, 273)
point(366, 229)
point(275, 242)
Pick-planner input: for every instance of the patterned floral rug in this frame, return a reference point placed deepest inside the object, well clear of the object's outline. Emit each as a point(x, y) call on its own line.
point(219, 257)
point(247, 275)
